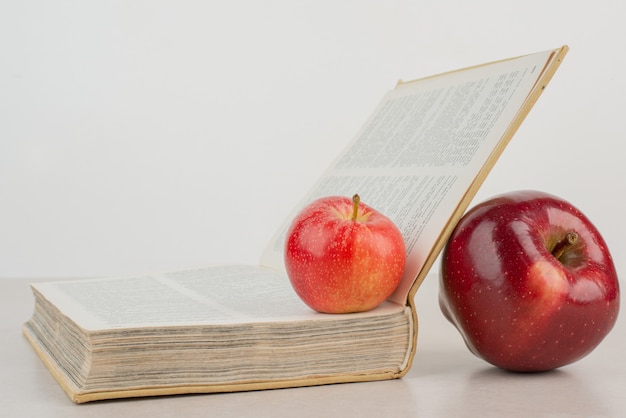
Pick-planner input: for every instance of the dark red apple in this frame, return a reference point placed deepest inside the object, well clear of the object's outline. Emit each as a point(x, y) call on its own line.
point(343, 256)
point(529, 282)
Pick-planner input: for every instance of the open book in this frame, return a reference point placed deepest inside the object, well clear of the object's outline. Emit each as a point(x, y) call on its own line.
point(419, 159)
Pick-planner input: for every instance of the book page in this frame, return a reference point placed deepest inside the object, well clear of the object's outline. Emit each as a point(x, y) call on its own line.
point(422, 148)
point(215, 295)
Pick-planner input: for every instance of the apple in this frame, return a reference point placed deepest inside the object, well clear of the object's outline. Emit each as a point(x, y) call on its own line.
point(529, 282)
point(343, 256)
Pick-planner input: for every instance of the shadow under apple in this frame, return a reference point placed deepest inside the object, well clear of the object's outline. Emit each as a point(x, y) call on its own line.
point(553, 393)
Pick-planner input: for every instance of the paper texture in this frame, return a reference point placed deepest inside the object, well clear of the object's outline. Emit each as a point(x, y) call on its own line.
point(422, 148)
point(216, 295)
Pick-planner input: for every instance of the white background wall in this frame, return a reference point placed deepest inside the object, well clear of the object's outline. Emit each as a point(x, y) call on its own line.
point(148, 135)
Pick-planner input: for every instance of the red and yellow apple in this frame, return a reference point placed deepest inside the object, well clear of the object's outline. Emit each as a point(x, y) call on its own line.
point(343, 256)
point(529, 282)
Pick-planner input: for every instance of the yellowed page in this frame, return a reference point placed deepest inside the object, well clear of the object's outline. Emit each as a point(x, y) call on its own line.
point(422, 148)
point(216, 295)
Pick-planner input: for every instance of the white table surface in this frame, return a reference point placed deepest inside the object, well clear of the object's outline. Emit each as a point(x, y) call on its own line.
point(445, 381)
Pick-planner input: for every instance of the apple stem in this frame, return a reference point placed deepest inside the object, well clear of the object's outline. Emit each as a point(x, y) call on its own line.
point(570, 239)
point(356, 199)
